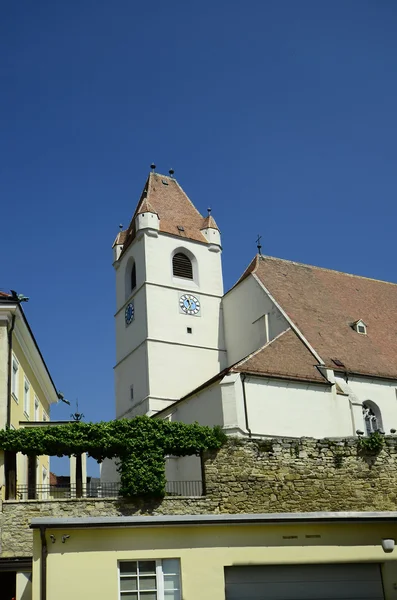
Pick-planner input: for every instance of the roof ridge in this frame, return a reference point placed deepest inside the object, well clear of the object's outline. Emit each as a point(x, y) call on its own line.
point(300, 264)
point(249, 356)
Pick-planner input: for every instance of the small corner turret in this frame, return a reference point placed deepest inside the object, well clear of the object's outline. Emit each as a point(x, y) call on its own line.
point(147, 219)
point(210, 231)
point(118, 244)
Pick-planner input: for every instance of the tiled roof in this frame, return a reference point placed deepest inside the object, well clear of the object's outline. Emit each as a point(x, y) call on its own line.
point(120, 238)
point(323, 304)
point(286, 357)
point(209, 223)
point(4, 295)
point(164, 196)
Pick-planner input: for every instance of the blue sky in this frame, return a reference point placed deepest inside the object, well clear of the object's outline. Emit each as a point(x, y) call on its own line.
point(280, 115)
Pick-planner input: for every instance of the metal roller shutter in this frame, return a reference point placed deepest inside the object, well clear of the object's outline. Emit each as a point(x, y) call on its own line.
point(305, 582)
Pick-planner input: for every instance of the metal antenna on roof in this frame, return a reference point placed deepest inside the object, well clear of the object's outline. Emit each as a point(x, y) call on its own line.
point(259, 245)
point(153, 166)
point(171, 172)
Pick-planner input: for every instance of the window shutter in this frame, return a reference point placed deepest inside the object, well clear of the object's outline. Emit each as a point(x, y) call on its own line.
point(182, 266)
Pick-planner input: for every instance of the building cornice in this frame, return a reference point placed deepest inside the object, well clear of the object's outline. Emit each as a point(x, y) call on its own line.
point(222, 519)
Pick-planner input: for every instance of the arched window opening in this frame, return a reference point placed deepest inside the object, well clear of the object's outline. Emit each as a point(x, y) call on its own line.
point(133, 276)
point(372, 418)
point(182, 266)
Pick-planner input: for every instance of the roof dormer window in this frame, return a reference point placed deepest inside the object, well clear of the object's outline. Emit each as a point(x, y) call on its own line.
point(360, 327)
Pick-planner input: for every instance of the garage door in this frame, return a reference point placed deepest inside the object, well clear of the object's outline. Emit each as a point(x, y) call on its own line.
point(304, 582)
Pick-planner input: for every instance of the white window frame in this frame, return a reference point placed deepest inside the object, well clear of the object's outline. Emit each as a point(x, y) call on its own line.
point(372, 417)
point(15, 378)
point(26, 397)
point(36, 408)
point(160, 578)
point(360, 323)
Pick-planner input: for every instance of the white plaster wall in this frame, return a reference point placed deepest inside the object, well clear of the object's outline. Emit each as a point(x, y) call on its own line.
point(136, 251)
point(131, 371)
point(159, 253)
point(166, 321)
point(3, 373)
point(108, 473)
point(171, 369)
point(382, 392)
point(204, 408)
point(233, 405)
point(244, 310)
point(129, 337)
point(293, 409)
point(176, 370)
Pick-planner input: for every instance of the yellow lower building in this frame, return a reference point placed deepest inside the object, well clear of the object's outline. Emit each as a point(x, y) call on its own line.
point(294, 556)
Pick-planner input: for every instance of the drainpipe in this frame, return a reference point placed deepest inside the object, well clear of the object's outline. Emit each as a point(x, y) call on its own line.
point(43, 565)
point(9, 370)
point(243, 377)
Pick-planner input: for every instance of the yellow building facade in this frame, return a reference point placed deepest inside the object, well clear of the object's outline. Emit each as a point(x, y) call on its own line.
point(218, 557)
point(26, 388)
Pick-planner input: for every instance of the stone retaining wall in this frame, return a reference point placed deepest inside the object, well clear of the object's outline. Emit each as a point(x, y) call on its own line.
point(300, 475)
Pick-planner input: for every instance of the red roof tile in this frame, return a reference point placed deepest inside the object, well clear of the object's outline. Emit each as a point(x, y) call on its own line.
point(163, 195)
point(286, 357)
point(209, 223)
point(323, 304)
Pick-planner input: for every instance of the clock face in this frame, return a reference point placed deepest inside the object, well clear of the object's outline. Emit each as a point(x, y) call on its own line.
point(129, 313)
point(189, 304)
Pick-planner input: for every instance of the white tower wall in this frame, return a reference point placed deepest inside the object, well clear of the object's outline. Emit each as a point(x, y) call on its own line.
point(155, 353)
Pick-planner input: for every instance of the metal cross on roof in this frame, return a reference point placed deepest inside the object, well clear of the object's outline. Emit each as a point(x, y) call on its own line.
point(258, 244)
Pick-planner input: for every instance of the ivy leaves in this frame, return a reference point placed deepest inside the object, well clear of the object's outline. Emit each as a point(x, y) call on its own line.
point(140, 444)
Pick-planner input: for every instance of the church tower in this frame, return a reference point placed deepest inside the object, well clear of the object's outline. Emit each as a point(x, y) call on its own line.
point(169, 326)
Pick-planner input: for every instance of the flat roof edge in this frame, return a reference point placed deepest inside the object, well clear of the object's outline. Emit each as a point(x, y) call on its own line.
point(224, 519)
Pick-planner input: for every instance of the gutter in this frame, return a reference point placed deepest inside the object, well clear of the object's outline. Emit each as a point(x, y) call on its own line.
point(243, 377)
point(43, 564)
point(9, 370)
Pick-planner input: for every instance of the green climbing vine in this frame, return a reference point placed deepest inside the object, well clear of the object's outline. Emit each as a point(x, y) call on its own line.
point(139, 444)
point(372, 444)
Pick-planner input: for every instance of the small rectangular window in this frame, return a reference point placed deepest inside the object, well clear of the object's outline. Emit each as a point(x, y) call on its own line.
point(26, 397)
point(36, 409)
point(189, 330)
point(150, 580)
point(15, 378)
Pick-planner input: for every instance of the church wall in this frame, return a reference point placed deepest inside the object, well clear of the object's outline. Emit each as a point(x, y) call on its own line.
point(381, 392)
point(167, 322)
point(246, 328)
point(283, 408)
point(159, 252)
point(135, 252)
point(131, 371)
point(176, 370)
point(131, 336)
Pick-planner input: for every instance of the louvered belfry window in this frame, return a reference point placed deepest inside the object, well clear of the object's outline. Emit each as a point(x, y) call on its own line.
point(182, 266)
